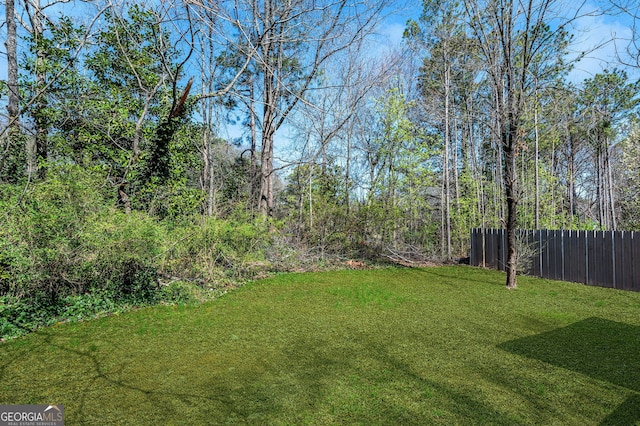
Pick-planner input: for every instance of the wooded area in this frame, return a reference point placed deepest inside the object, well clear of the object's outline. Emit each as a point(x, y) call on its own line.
point(205, 141)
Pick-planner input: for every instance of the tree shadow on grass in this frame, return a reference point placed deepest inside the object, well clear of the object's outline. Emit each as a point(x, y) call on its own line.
point(599, 348)
point(627, 413)
point(316, 382)
point(466, 274)
point(312, 380)
point(91, 377)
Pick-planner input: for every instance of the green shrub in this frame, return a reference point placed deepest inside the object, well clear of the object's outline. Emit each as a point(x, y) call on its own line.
point(85, 306)
point(121, 255)
point(41, 241)
point(183, 292)
point(214, 251)
point(67, 252)
point(19, 316)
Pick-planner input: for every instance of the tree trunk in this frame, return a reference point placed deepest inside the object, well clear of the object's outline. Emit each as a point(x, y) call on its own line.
point(536, 165)
point(511, 192)
point(40, 118)
point(610, 190)
point(253, 159)
point(347, 176)
point(265, 202)
point(300, 190)
point(13, 105)
point(599, 186)
point(12, 65)
point(445, 160)
point(571, 177)
point(208, 179)
point(460, 223)
point(266, 180)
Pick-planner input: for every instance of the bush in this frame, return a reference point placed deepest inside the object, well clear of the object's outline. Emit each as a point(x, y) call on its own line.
point(67, 253)
point(19, 316)
point(214, 251)
point(42, 237)
point(121, 255)
point(64, 239)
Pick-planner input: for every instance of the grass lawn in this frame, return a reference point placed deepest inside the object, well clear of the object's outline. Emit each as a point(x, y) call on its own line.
point(447, 345)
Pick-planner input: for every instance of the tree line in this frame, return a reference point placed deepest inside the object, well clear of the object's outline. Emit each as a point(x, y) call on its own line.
point(288, 122)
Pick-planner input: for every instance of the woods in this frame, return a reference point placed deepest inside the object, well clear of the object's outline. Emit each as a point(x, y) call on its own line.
point(199, 142)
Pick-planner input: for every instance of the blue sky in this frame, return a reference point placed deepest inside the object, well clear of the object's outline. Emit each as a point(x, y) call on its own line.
point(588, 32)
point(593, 31)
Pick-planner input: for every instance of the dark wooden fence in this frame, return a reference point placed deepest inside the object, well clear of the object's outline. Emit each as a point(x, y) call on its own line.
point(601, 258)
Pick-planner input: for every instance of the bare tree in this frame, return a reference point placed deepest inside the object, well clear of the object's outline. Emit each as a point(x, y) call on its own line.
point(629, 52)
point(519, 48)
point(325, 123)
point(287, 43)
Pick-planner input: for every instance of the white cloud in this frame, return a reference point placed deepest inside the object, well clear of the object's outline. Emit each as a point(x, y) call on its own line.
point(392, 32)
point(599, 39)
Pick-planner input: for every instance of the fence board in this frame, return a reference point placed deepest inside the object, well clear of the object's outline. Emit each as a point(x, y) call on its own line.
point(502, 241)
point(490, 252)
point(607, 274)
point(535, 258)
point(578, 261)
point(486, 249)
point(570, 255)
point(473, 249)
point(618, 254)
point(552, 254)
point(555, 254)
point(528, 238)
point(481, 248)
point(591, 258)
point(627, 262)
point(603, 249)
point(635, 253)
point(595, 262)
point(598, 258)
point(545, 265)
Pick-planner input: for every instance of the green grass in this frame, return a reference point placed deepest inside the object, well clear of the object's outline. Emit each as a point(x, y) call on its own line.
point(444, 346)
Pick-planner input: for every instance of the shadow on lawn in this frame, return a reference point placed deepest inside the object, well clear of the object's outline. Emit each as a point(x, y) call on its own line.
point(311, 381)
point(453, 275)
point(599, 348)
point(92, 377)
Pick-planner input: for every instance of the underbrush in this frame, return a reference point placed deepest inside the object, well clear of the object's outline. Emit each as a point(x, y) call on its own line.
point(19, 316)
point(67, 253)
